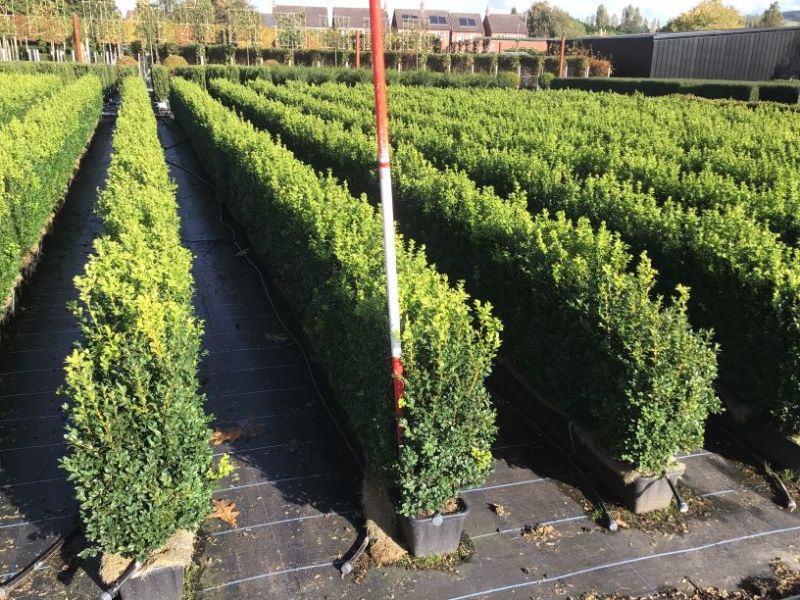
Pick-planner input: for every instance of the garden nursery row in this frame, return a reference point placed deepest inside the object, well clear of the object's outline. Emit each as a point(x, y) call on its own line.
point(632, 262)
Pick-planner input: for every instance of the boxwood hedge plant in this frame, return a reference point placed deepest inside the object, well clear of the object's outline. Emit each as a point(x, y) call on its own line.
point(38, 155)
point(18, 91)
point(582, 317)
point(325, 247)
point(109, 75)
point(716, 230)
point(160, 77)
point(139, 453)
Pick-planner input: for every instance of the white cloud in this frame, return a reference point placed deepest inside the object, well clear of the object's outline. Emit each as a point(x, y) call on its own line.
point(578, 8)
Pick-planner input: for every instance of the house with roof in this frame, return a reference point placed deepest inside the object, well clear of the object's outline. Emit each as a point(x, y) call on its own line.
point(431, 22)
point(505, 26)
point(354, 19)
point(308, 17)
point(509, 32)
point(465, 27)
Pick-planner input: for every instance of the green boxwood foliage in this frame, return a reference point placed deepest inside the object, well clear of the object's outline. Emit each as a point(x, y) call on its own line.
point(139, 453)
point(160, 77)
point(38, 155)
point(581, 315)
point(326, 248)
point(750, 91)
point(18, 91)
point(109, 75)
point(695, 185)
point(280, 74)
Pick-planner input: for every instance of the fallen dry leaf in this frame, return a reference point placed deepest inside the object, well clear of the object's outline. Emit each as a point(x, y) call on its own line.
point(540, 534)
point(224, 510)
point(247, 428)
point(498, 509)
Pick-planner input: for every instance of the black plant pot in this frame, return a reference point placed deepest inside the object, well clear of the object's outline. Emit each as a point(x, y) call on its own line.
point(165, 583)
point(439, 534)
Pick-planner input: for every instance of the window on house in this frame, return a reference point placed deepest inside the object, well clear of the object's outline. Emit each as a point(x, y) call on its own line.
point(292, 19)
point(410, 21)
point(342, 23)
point(466, 22)
point(437, 20)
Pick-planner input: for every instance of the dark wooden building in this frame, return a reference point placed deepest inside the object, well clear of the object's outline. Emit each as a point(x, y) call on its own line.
point(737, 54)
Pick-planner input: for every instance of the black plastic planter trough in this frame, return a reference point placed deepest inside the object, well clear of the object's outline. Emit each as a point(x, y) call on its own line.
point(164, 583)
point(780, 450)
point(639, 493)
point(438, 534)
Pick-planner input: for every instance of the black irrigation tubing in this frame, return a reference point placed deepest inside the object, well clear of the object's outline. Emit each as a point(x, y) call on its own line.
point(48, 553)
point(129, 572)
point(770, 474)
point(683, 506)
point(608, 521)
point(361, 543)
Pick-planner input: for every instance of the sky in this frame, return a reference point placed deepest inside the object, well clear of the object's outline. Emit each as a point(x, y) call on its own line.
point(662, 11)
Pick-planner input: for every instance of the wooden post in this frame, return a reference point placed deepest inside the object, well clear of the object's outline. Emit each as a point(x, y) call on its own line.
point(76, 30)
point(562, 59)
point(358, 49)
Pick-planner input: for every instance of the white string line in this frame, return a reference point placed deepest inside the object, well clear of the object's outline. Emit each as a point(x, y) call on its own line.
point(33, 447)
point(21, 419)
point(503, 485)
point(271, 481)
point(37, 522)
point(269, 447)
point(13, 485)
point(538, 524)
point(695, 455)
point(265, 575)
point(282, 521)
point(29, 371)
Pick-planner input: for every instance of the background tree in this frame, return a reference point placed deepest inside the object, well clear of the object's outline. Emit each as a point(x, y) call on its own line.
point(709, 14)
point(602, 20)
point(632, 20)
point(772, 17)
point(550, 21)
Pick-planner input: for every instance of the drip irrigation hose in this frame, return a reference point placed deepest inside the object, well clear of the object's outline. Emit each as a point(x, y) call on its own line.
point(22, 575)
point(129, 572)
point(349, 565)
point(683, 506)
point(608, 521)
point(785, 496)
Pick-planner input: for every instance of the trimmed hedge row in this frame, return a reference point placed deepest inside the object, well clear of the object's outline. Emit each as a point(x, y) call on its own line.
point(435, 61)
point(139, 453)
point(160, 78)
point(580, 313)
point(38, 156)
point(699, 156)
point(750, 91)
point(109, 75)
point(317, 76)
point(745, 281)
point(19, 90)
point(326, 248)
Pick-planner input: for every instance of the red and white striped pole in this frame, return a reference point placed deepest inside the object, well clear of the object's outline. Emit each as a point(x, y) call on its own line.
point(387, 209)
